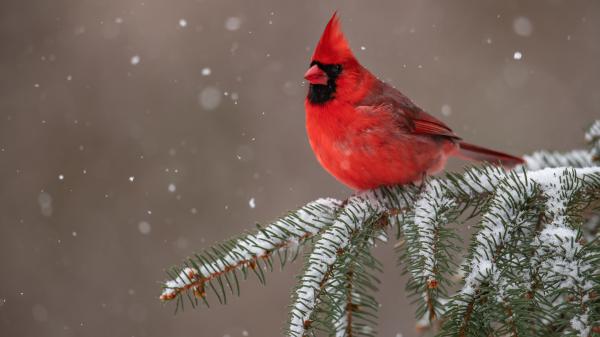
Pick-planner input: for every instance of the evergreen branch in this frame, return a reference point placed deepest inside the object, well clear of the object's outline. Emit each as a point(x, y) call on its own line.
point(337, 301)
point(576, 158)
point(426, 323)
point(546, 159)
point(352, 220)
point(505, 217)
point(564, 263)
point(286, 235)
point(429, 256)
point(398, 201)
point(351, 306)
point(431, 213)
point(498, 250)
point(474, 182)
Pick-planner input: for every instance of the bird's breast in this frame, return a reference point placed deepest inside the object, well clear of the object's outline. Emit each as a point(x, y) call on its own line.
point(366, 150)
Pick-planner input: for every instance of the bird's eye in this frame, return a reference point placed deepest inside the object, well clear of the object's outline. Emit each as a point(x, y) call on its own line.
point(337, 69)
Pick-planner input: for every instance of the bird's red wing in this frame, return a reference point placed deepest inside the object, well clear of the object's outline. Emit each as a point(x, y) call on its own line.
point(383, 97)
point(429, 125)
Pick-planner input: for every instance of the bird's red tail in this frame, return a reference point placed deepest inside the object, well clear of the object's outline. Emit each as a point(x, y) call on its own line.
point(474, 152)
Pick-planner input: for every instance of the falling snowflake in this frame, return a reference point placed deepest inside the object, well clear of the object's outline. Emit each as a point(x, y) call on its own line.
point(210, 98)
point(144, 227)
point(135, 59)
point(446, 110)
point(45, 202)
point(233, 23)
point(522, 26)
point(517, 55)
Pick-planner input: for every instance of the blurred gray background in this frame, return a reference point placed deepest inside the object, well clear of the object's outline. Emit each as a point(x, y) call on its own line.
point(133, 133)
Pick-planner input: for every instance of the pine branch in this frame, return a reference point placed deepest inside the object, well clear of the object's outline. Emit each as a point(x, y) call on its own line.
point(576, 158)
point(429, 256)
point(351, 306)
point(356, 216)
point(501, 246)
point(562, 260)
point(283, 237)
point(545, 159)
point(504, 218)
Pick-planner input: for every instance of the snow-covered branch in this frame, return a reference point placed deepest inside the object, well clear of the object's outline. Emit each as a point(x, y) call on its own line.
point(349, 302)
point(356, 216)
point(499, 258)
point(283, 237)
point(561, 261)
point(545, 159)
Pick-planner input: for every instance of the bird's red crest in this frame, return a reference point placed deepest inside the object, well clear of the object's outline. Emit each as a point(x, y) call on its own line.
point(332, 47)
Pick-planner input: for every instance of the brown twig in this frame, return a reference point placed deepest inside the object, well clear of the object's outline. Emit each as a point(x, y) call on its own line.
point(469, 312)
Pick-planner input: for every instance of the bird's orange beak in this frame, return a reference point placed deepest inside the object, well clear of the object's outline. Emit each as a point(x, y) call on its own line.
point(315, 75)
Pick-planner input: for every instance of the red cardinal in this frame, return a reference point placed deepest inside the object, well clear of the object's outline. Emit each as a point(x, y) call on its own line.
point(368, 134)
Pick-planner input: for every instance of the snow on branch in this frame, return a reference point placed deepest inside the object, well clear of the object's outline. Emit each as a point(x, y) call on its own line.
point(349, 303)
point(432, 211)
point(430, 244)
point(576, 158)
point(429, 255)
point(544, 159)
point(499, 263)
point(338, 297)
point(281, 237)
point(355, 216)
point(560, 259)
point(506, 214)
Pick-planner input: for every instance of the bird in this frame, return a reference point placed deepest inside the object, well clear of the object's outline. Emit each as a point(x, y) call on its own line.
point(368, 134)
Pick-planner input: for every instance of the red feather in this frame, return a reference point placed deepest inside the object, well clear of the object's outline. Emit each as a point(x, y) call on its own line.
point(428, 127)
point(433, 127)
point(332, 47)
point(474, 152)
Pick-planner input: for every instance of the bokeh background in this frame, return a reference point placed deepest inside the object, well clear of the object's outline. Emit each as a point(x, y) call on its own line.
point(133, 133)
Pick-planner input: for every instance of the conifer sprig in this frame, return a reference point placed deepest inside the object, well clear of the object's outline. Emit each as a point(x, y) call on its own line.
point(217, 268)
point(353, 230)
